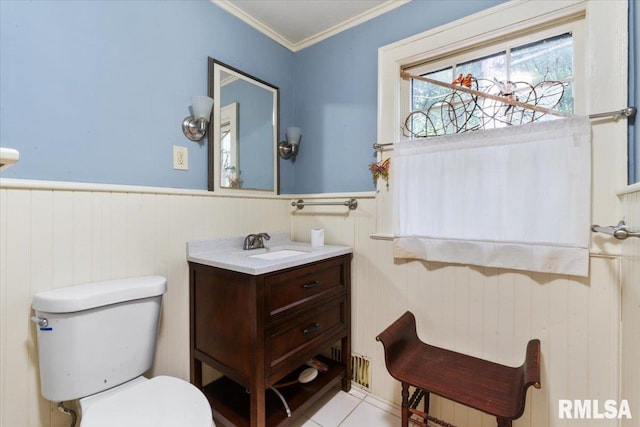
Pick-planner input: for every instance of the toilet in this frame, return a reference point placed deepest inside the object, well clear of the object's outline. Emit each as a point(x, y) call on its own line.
point(94, 343)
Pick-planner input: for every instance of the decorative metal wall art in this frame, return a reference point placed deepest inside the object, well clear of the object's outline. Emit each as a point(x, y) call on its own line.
point(474, 104)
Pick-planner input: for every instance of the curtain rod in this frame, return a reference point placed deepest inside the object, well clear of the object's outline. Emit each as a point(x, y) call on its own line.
point(624, 113)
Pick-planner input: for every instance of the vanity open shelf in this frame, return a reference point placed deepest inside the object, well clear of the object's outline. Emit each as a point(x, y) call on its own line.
point(231, 402)
point(258, 329)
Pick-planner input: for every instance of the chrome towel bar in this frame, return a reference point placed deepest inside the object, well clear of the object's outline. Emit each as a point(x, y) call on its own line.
point(620, 231)
point(351, 203)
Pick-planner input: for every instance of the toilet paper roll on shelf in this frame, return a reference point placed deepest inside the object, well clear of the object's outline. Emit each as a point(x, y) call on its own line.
point(317, 238)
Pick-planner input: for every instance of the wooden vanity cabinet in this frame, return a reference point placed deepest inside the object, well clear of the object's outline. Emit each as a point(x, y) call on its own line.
point(257, 329)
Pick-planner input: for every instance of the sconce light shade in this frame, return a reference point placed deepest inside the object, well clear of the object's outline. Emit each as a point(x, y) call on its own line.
point(195, 127)
point(293, 135)
point(202, 106)
point(289, 148)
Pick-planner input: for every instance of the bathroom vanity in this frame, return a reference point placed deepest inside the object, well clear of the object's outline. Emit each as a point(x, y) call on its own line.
point(257, 316)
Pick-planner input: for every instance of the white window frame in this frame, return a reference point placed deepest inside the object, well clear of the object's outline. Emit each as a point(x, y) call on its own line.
point(605, 60)
point(575, 27)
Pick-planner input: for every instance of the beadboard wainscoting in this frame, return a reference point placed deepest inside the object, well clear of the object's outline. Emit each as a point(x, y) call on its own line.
point(54, 236)
point(486, 312)
point(57, 235)
point(630, 377)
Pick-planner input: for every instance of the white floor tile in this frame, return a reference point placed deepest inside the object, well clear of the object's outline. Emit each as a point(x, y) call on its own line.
point(356, 392)
point(333, 408)
point(304, 422)
point(385, 406)
point(367, 415)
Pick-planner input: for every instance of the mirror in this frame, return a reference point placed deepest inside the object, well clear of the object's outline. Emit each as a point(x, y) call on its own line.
point(243, 132)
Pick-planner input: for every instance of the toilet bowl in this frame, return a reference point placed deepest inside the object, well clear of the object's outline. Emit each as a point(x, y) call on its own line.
point(159, 402)
point(95, 341)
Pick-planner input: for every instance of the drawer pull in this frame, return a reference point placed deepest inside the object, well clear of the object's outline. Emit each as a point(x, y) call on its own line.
point(311, 285)
point(311, 328)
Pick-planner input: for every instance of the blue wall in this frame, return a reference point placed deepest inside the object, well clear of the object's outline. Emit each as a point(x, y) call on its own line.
point(336, 94)
point(95, 91)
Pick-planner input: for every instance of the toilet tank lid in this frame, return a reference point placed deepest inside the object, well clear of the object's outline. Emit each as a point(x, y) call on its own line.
point(97, 294)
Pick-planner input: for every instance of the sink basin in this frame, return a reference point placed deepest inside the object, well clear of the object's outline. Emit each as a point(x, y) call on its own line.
point(283, 253)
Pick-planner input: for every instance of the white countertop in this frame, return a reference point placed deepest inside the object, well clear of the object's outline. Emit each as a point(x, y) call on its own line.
point(228, 254)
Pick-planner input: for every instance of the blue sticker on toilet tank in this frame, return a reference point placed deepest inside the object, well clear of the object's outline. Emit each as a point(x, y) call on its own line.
point(46, 329)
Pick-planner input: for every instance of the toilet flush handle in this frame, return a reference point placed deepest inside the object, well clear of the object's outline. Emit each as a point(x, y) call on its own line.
point(40, 321)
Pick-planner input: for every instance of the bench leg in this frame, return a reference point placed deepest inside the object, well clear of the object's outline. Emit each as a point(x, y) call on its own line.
point(405, 404)
point(503, 423)
point(426, 405)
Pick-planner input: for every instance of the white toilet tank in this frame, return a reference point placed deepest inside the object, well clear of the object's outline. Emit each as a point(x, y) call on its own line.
point(96, 336)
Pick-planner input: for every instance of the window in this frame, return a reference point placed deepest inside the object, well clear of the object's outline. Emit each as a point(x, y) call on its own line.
point(599, 78)
point(538, 72)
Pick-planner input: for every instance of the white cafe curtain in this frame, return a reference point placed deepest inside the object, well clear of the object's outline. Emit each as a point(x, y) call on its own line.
point(515, 197)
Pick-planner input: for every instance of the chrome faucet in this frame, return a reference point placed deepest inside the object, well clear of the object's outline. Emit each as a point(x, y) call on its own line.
point(255, 241)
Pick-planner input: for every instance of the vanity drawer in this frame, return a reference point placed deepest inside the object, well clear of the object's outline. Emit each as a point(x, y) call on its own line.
point(294, 290)
point(290, 341)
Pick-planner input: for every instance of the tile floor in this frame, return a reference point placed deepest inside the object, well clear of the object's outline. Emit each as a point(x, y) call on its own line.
point(353, 409)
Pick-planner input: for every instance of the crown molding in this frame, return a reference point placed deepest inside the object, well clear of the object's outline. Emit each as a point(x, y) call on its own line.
point(229, 7)
point(350, 23)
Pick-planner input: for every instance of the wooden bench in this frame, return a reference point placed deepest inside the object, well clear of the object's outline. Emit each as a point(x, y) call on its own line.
point(495, 389)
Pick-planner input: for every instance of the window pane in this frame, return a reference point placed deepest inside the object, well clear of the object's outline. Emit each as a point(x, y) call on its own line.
point(549, 59)
point(424, 94)
point(426, 97)
point(486, 71)
point(538, 73)
point(487, 68)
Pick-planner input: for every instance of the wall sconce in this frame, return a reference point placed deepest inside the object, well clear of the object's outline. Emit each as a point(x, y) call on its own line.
point(289, 148)
point(195, 127)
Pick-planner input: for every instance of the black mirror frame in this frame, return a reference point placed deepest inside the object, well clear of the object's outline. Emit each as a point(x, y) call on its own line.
point(211, 155)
